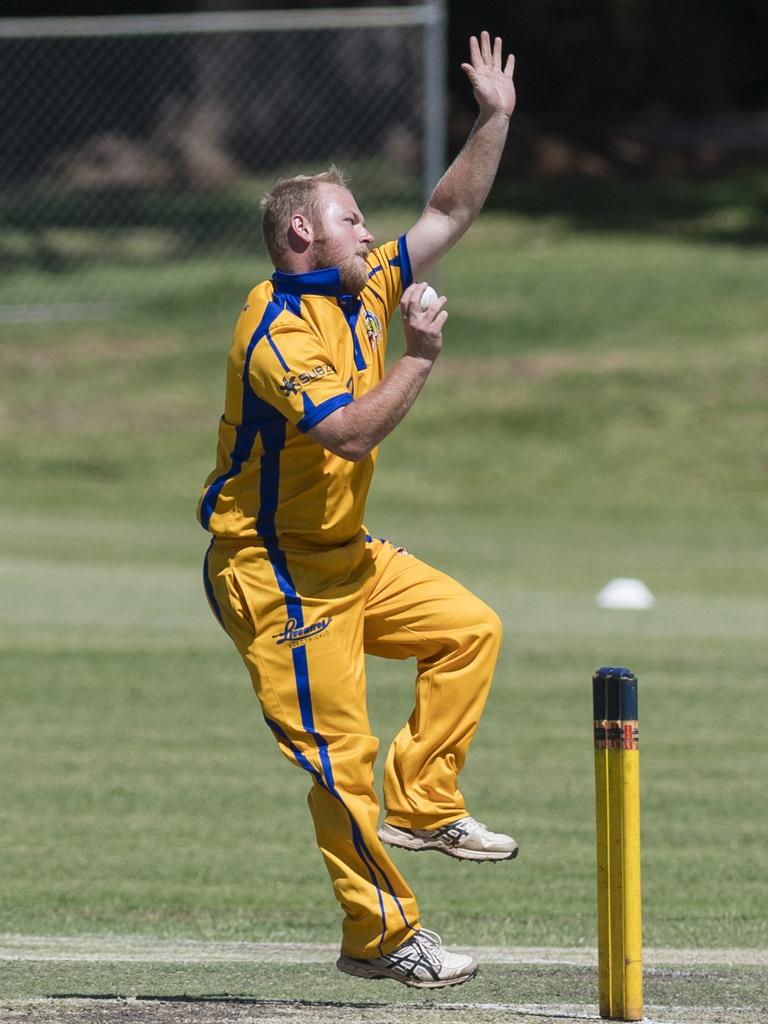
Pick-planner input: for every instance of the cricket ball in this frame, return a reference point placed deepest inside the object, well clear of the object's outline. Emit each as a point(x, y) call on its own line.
point(429, 296)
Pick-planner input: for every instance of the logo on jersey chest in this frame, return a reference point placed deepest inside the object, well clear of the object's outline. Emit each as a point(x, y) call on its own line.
point(372, 328)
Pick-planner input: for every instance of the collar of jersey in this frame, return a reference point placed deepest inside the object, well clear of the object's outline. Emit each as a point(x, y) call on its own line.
point(315, 282)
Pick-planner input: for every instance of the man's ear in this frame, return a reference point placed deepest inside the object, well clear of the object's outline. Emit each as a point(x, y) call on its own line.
point(301, 231)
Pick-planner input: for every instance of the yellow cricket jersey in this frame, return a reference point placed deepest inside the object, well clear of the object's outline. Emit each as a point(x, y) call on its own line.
point(301, 350)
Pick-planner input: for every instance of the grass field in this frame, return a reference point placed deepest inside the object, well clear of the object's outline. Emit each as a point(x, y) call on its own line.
point(599, 411)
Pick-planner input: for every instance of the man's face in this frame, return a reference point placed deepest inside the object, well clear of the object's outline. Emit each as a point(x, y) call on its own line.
point(341, 238)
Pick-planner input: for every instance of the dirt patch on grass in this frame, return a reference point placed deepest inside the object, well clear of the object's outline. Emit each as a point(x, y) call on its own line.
point(243, 1011)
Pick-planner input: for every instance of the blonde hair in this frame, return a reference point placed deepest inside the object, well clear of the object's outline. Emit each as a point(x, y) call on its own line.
point(289, 196)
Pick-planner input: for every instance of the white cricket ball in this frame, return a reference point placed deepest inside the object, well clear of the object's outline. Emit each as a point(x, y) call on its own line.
point(429, 296)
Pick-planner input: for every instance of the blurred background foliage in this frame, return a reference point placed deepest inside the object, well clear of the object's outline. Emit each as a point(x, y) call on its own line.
point(585, 68)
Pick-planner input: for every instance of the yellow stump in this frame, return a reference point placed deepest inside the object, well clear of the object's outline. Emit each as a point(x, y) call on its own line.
point(617, 807)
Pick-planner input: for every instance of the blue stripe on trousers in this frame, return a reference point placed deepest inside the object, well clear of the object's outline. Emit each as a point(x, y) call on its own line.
point(301, 673)
point(357, 839)
point(209, 588)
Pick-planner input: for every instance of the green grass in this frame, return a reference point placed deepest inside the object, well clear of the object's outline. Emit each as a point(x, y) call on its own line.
point(227, 984)
point(599, 411)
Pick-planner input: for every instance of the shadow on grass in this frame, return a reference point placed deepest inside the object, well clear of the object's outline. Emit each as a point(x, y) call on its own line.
point(73, 230)
point(730, 210)
point(323, 1004)
point(214, 998)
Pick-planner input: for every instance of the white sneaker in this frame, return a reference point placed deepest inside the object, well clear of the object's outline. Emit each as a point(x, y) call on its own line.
point(465, 839)
point(420, 962)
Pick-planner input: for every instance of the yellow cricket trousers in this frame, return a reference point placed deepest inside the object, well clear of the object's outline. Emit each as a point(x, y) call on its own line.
point(302, 621)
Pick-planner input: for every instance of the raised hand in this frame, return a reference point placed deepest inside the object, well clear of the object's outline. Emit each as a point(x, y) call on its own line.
point(492, 84)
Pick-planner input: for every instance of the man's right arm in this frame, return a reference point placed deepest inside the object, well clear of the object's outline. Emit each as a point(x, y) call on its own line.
point(462, 190)
point(354, 430)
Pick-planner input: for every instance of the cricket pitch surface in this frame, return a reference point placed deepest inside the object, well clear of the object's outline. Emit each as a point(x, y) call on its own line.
point(111, 980)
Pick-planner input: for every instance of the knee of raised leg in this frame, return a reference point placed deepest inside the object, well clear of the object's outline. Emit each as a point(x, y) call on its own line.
point(487, 626)
point(495, 626)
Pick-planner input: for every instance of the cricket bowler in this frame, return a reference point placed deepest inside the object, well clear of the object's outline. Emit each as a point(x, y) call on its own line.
point(292, 574)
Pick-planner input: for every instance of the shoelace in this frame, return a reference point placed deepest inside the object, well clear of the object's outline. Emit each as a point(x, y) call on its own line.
point(457, 831)
point(428, 946)
point(422, 951)
point(431, 936)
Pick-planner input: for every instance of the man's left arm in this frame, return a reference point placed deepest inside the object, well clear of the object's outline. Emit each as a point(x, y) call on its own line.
point(459, 195)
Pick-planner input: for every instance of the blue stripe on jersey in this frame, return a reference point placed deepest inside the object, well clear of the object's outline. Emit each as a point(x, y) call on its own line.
point(351, 307)
point(273, 441)
point(313, 414)
point(255, 414)
point(276, 350)
point(403, 260)
point(245, 438)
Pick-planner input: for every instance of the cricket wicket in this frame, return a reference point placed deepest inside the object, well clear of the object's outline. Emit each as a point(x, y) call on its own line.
point(617, 807)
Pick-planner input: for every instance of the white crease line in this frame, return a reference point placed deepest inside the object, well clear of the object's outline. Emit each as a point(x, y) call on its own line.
point(559, 1010)
point(130, 949)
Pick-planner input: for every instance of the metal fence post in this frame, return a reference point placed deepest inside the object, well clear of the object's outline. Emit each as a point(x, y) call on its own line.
point(434, 114)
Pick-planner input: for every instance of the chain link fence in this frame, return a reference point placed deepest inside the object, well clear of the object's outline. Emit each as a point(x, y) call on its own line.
point(135, 146)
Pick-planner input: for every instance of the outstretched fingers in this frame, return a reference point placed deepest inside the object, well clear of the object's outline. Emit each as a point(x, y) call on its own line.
point(485, 48)
point(474, 51)
point(490, 75)
point(497, 52)
point(483, 53)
